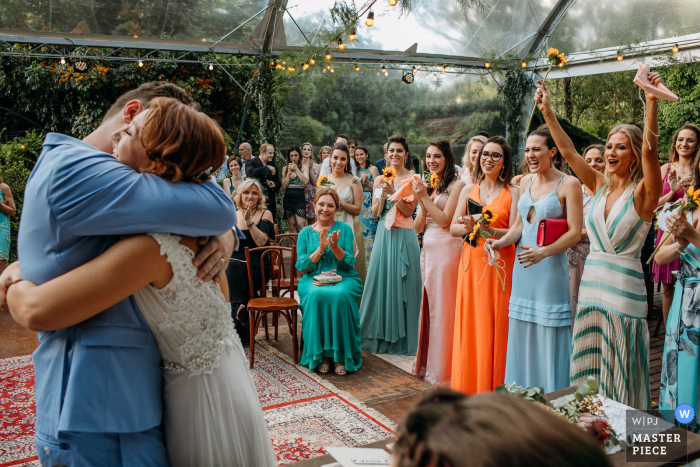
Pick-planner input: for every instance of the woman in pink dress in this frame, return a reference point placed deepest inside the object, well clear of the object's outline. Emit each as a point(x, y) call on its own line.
point(469, 159)
point(439, 261)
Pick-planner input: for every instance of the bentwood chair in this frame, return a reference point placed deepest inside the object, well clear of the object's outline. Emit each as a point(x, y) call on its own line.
point(260, 305)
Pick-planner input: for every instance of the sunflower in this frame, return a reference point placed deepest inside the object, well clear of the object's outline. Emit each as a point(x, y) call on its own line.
point(323, 181)
point(488, 214)
point(389, 173)
point(552, 51)
point(434, 181)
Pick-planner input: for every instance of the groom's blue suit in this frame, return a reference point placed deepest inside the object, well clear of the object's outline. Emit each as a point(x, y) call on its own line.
point(98, 383)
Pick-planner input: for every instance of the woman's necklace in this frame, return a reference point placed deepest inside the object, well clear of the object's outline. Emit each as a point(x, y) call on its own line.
point(488, 195)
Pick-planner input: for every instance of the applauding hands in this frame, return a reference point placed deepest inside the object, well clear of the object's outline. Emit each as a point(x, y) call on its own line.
point(329, 240)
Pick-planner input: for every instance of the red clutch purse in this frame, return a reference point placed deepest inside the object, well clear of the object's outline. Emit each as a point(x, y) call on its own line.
point(549, 231)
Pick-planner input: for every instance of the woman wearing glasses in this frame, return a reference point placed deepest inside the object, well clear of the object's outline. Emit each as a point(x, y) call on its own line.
point(539, 329)
point(481, 316)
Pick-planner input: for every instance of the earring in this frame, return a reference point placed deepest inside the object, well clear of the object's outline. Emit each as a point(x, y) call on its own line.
point(502, 175)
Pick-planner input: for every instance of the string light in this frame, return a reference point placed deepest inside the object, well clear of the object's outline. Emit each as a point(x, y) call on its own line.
point(211, 67)
point(341, 45)
point(324, 70)
point(393, 2)
point(328, 67)
point(332, 70)
point(313, 60)
point(63, 61)
point(442, 70)
point(561, 65)
point(487, 64)
point(352, 36)
point(272, 64)
point(328, 55)
point(305, 66)
point(675, 48)
point(523, 64)
point(370, 19)
point(292, 69)
point(620, 57)
point(415, 70)
point(357, 67)
point(383, 69)
point(140, 63)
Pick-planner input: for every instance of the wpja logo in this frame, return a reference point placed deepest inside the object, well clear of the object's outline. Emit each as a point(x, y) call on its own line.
point(653, 439)
point(684, 413)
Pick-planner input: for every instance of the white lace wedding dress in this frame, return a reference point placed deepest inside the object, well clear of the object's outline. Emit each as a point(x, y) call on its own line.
point(211, 410)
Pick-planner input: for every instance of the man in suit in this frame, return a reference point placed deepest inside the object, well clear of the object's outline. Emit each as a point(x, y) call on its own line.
point(263, 169)
point(99, 383)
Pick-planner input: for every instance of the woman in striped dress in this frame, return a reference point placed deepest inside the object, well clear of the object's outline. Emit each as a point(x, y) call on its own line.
point(610, 335)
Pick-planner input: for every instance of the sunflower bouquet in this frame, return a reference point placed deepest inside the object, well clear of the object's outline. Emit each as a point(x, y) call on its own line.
point(434, 179)
point(487, 216)
point(389, 173)
point(555, 59)
point(689, 203)
point(323, 181)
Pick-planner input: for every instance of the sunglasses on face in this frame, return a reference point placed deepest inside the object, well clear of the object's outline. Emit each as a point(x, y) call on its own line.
point(493, 155)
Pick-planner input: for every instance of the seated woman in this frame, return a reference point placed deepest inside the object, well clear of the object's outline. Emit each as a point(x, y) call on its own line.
point(256, 223)
point(330, 316)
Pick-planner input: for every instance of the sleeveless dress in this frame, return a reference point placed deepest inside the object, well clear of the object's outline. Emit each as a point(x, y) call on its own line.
point(577, 255)
point(664, 272)
point(368, 222)
point(354, 223)
point(391, 299)
point(539, 329)
point(680, 371)
point(211, 411)
point(481, 310)
point(294, 202)
point(330, 322)
point(611, 338)
point(309, 194)
point(439, 260)
point(4, 233)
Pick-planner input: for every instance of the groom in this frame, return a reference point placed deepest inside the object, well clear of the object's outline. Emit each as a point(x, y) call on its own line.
point(98, 383)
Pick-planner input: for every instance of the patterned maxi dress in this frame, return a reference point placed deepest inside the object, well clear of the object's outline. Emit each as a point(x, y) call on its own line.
point(577, 255)
point(680, 373)
point(610, 336)
point(369, 223)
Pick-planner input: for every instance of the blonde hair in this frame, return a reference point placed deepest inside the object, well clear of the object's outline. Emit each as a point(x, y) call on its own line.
point(245, 185)
point(264, 146)
point(635, 137)
point(466, 161)
point(311, 157)
point(320, 152)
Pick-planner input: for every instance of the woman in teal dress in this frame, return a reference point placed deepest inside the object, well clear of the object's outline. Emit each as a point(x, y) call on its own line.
point(367, 173)
point(680, 371)
point(7, 209)
point(330, 317)
point(392, 297)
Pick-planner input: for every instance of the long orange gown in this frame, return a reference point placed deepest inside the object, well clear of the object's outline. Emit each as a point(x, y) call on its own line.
point(481, 314)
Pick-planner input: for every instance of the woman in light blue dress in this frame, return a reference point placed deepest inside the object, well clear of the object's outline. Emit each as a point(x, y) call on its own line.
point(7, 209)
point(539, 311)
point(391, 300)
point(367, 173)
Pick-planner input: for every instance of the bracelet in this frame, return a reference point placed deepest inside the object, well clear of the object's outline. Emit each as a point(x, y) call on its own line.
point(545, 114)
point(12, 283)
point(250, 224)
point(318, 252)
point(675, 245)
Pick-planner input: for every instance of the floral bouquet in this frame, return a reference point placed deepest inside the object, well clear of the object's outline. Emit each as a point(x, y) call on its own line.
point(690, 203)
point(555, 59)
point(487, 216)
point(434, 180)
point(323, 181)
point(388, 173)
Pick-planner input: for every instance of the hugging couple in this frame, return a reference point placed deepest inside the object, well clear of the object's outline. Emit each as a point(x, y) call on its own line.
point(123, 243)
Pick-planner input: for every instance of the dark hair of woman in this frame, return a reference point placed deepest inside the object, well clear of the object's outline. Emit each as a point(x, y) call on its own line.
point(400, 139)
point(448, 428)
point(368, 163)
point(450, 174)
point(231, 159)
point(673, 155)
point(343, 147)
point(296, 149)
point(599, 147)
point(559, 162)
point(507, 171)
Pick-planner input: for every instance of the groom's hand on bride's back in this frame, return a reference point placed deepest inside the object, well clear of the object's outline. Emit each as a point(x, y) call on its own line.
point(212, 259)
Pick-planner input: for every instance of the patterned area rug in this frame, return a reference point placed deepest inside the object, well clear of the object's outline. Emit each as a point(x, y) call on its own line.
point(303, 412)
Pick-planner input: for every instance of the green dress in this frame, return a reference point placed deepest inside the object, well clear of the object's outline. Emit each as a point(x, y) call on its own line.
point(330, 320)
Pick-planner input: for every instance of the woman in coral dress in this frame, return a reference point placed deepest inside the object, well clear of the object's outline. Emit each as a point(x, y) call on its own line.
point(481, 315)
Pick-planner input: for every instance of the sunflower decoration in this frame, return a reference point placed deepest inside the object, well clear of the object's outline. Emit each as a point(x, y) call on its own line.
point(389, 173)
point(323, 181)
point(434, 179)
point(486, 218)
point(488, 214)
point(555, 58)
point(690, 203)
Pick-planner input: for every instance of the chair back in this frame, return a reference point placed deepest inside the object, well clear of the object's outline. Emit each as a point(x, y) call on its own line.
point(290, 240)
point(274, 254)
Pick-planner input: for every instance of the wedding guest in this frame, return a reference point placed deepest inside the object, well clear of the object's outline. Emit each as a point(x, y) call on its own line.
point(7, 210)
point(368, 174)
point(577, 254)
point(257, 224)
point(680, 374)
point(611, 339)
point(484, 287)
point(234, 178)
point(330, 318)
point(470, 158)
point(324, 154)
point(677, 174)
point(391, 299)
point(352, 145)
point(539, 312)
point(245, 150)
point(294, 177)
point(263, 169)
point(307, 160)
point(326, 165)
point(439, 262)
point(350, 194)
point(449, 429)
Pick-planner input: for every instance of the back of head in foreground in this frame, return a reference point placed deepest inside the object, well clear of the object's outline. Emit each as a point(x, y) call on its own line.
point(451, 429)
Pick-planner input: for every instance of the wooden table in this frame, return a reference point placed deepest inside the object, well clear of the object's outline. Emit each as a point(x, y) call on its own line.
point(617, 459)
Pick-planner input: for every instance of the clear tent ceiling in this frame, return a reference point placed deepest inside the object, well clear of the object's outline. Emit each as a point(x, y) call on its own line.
point(437, 26)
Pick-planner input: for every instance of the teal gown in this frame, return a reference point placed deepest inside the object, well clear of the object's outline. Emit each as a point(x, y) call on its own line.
point(330, 323)
point(392, 297)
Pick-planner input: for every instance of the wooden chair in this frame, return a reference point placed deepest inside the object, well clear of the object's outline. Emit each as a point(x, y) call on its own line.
point(284, 288)
point(260, 305)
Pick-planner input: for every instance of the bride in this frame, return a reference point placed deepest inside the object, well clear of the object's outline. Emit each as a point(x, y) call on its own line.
point(212, 415)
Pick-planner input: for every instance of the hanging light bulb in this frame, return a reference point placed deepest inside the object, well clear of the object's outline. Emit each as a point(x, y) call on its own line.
point(324, 70)
point(415, 70)
point(370, 19)
point(140, 63)
point(561, 65)
point(523, 64)
point(442, 70)
point(211, 67)
point(341, 45)
point(292, 69)
point(393, 2)
point(620, 57)
point(332, 70)
point(328, 67)
point(383, 69)
point(313, 59)
point(272, 64)
point(435, 76)
point(487, 64)
point(284, 63)
point(357, 67)
point(675, 48)
point(305, 66)
point(352, 36)
point(63, 61)
point(328, 55)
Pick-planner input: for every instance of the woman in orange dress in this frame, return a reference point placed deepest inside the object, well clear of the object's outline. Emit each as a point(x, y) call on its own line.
point(481, 315)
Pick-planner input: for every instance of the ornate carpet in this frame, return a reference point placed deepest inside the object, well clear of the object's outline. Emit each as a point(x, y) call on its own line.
point(303, 412)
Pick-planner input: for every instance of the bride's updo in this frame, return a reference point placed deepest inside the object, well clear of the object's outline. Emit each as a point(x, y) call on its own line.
point(181, 143)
